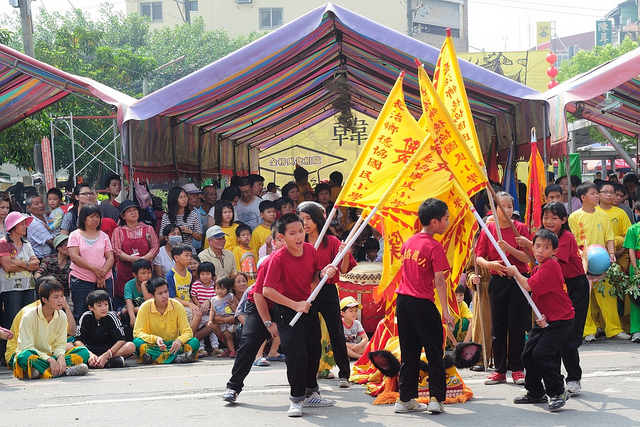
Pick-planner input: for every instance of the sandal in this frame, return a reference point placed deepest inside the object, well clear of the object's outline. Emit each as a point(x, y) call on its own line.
point(278, 358)
point(225, 353)
point(261, 362)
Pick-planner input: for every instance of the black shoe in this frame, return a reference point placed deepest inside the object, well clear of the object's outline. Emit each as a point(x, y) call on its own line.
point(147, 359)
point(526, 398)
point(477, 368)
point(116, 362)
point(558, 401)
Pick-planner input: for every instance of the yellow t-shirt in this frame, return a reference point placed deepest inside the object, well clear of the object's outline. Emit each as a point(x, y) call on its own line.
point(463, 308)
point(247, 261)
point(181, 284)
point(619, 220)
point(591, 228)
point(232, 240)
point(258, 237)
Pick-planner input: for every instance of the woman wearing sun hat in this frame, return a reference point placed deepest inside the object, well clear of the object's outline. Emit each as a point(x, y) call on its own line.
point(132, 240)
point(18, 262)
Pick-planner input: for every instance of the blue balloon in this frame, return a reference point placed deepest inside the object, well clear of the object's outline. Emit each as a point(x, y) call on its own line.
point(598, 259)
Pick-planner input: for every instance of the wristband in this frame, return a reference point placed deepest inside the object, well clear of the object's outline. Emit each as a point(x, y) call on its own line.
point(110, 353)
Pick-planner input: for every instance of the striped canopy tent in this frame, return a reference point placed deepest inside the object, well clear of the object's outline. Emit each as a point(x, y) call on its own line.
point(218, 118)
point(28, 85)
point(587, 91)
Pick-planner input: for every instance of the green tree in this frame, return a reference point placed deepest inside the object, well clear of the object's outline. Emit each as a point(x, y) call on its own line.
point(585, 61)
point(116, 50)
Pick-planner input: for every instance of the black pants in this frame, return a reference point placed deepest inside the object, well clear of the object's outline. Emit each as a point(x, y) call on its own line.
point(578, 289)
point(254, 333)
point(327, 303)
point(302, 349)
point(510, 314)
point(420, 325)
point(540, 360)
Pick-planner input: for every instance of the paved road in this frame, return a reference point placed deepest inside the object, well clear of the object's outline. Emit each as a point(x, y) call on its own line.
point(180, 394)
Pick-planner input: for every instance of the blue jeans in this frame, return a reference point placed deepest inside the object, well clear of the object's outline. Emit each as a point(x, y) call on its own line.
point(13, 302)
point(79, 291)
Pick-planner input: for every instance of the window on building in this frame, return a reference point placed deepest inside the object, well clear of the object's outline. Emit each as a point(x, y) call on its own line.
point(193, 6)
point(153, 10)
point(271, 18)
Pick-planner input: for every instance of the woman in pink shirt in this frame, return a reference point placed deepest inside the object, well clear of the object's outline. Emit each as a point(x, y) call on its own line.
point(91, 259)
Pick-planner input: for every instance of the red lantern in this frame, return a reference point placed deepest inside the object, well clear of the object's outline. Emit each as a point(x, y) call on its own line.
point(552, 72)
point(551, 58)
point(552, 84)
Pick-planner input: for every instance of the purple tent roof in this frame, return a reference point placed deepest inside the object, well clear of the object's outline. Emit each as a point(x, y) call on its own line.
point(274, 87)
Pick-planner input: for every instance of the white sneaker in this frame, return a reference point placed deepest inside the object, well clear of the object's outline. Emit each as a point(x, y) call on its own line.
point(295, 410)
point(344, 382)
point(410, 406)
point(574, 386)
point(80, 369)
point(590, 338)
point(314, 399)
point(621, 336)
point(636, 337)
point(435, 406)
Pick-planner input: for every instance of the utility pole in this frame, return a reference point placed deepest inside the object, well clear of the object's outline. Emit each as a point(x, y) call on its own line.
point(187, 10)
point(27, 27)
point(409, 18)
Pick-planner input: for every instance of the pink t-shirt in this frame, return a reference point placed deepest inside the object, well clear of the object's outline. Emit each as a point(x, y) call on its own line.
point(93, 253)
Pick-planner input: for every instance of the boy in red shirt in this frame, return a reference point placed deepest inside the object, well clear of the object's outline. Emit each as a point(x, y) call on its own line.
point(292, 272)
point(549, 293)
point(419, 321)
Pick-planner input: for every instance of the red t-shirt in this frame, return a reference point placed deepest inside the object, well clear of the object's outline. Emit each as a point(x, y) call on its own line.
point(549, 292)
point(485, 249)
point(292, 275)
point(568, 256)
point(422, 256)
point(107, 226)
point(262, 272)
point(327, 253)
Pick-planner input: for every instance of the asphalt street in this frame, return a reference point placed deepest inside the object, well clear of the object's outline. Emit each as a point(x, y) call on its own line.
point(191, 394)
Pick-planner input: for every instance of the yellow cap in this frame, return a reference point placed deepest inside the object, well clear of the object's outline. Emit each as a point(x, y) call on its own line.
point(349, 302)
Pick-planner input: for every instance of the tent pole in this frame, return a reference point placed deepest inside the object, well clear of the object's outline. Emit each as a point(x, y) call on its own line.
point(545, 157)
point(627, 158)
point(199, 157)
point(173, 146)
point(130, 154)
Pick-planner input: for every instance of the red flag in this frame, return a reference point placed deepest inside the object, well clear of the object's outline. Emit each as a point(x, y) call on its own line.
point(535, 182)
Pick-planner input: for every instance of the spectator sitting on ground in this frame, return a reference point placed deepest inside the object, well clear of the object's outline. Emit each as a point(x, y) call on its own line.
point(162, 333)
point(134, 295)
point(101, 332)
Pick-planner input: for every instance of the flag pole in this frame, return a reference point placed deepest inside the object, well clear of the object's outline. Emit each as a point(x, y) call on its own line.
point(326, 225)
point(505, 260)
point(381, 202)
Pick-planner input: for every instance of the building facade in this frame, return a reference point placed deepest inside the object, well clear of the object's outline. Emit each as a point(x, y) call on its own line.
point(424, 20)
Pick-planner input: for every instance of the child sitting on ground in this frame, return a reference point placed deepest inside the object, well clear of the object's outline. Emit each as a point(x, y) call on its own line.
point(133, 295)
point(202, 290)
point(549, 293)
point(223, 305)
point(101, 332)
point(179, 278)
point(464, 325)
point(246, 257)
point(372, 246)
point(356, 337)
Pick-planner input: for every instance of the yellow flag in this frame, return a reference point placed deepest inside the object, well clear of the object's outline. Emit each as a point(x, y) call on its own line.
point(448, 81)
point(393, 139)
point(451, 144)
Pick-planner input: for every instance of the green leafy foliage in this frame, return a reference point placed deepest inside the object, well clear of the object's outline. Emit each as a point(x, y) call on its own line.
point(116, 50)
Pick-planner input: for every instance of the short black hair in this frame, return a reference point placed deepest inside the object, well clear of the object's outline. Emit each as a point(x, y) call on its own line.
point(226, 282)
point(620, 187)
point(584, 188)
point(141, 264)
point(323, 186)
point(336, 177)
point(288, 187)
point(207, 266)
point(630, 177)
point(431, 209)
point(108, 179)
point(99, 295)
point(552, 188)
point(169, 228)
point(266, 204)
point(179, 250)
point(86, 212)
point(254, 177)
point(287, 219)
point(545, 234)
point(299, 173)
point(575, 180)
point(282, 202)
point(371, 244)
point(460, 289)
point(48, 284)
point(603, 183)
point(243, 182)
point(55, 191)
point(241, 228)
point(155, 282)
